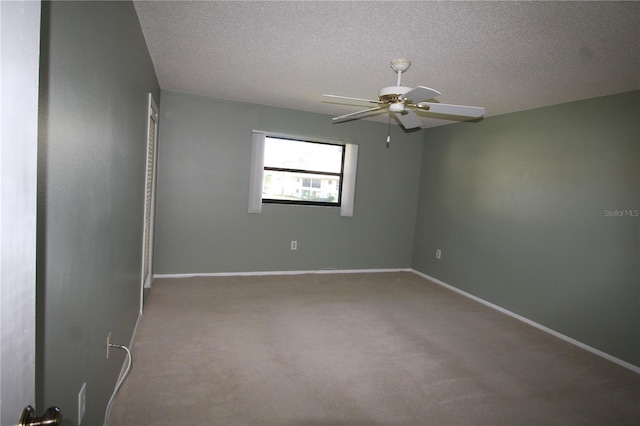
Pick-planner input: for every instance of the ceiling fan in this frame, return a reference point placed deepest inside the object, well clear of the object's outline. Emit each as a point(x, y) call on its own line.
point(401, 101)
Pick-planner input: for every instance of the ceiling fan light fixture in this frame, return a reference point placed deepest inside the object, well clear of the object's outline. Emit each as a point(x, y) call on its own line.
point(396, 107)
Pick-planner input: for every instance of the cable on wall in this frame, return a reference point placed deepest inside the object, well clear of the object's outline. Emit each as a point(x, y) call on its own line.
point(120, 381)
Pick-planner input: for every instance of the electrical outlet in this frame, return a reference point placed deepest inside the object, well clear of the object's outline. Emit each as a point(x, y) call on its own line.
point(108, 344)
point(82, 402)
point(294, 245)
point(438, 254)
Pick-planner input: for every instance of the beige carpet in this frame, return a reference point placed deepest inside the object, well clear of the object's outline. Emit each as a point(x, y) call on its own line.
point(355, 349)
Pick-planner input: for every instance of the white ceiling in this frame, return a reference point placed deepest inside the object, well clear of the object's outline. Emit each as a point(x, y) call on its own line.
point(505, 56)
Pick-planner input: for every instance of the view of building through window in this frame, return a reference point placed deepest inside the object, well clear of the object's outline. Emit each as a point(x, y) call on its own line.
point(302, 172)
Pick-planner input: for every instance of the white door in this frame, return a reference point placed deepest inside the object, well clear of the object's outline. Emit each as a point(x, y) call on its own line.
point(20, 41)
point(149, 198)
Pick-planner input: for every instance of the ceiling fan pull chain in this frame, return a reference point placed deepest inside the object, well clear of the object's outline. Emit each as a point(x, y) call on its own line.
point(389, 132)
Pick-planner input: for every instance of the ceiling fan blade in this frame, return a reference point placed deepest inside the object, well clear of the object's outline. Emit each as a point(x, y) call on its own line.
point(355, 99)
point(408, 119)
point(354, 114)
point(420, 94)
point(460, 110)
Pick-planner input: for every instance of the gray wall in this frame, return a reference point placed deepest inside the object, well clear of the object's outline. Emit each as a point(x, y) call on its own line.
point(202, 223)
point(95, 76)
point(518, 205)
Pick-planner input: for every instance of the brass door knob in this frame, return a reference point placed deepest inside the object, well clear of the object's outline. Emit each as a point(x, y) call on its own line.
point(51, 417)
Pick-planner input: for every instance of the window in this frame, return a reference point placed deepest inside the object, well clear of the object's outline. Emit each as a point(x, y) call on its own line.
point(292, 171)
point(302, 172)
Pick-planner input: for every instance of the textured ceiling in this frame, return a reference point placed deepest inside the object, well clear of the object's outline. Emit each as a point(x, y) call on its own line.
point(505, 56)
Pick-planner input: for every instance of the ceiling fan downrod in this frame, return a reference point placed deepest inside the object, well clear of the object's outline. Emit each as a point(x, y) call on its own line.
point(400, 66)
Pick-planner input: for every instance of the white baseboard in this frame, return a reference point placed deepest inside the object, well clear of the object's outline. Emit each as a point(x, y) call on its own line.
point(568, 339)
point(315, 271)
point(135, 330)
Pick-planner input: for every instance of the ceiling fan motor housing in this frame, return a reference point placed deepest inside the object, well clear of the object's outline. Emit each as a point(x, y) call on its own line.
point(392, 93)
